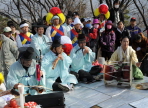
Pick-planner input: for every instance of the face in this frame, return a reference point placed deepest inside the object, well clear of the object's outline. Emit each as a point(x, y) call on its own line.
point(82, 44)
point(56, 21)
point(133, 23)
point(116, 4)
point(13, 29)
point(69, 21)
point(77, 26)
point(26, 63)
point(8, 34)
point(125, 43)
point(59, 49)
point(40, 30)
point(24, 29)
point(120, 25)
point(102, 17)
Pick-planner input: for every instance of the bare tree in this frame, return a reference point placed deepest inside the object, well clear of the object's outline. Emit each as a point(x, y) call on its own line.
point(141, 7)
point(32, 10)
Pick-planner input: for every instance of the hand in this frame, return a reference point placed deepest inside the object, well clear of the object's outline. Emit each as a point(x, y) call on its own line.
point(41, 73)
point(138, 64)
point(16, 85)
point(104, 43)
point(86, 50)
point(60, 56)
point(138, 49)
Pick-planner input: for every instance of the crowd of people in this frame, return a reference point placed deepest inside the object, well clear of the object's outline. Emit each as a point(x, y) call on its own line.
point(65, 48)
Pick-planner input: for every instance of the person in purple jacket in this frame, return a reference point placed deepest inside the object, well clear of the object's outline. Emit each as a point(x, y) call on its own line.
point(107, 40)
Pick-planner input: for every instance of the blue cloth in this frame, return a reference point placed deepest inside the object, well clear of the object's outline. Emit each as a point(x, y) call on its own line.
point(17, 74)
point(40, 43)
point(133, 30)
point(80, 61)
point(22, 38)
point(61, 69)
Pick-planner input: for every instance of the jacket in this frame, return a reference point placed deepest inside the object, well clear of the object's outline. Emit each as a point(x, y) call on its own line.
point(107, 41)
point(9, 53)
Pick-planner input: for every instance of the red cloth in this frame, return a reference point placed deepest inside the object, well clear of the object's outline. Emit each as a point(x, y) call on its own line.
point(94, 34)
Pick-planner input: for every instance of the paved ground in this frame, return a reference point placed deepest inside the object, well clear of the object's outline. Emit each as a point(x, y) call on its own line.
point(87, 95)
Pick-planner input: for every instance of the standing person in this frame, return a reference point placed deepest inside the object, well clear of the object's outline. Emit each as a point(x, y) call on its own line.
point(40, 42)
point(55, 18)
point(13, 28)
point(87, 28)
point(107, 41)
point(8, 54)
point(73, 34)
point(58, 78)
point(84, 55)
point(8, 33)
point(140, 45)
point(102, 13)
point(120, 32)
point(24, 38)
point(116, 14)
point(68, 23)
point(75, 15)
point(23, 72)
point(133, 28)
point(94, 35)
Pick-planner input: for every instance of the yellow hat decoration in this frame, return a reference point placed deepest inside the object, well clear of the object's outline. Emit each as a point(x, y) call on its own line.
point(1, 78)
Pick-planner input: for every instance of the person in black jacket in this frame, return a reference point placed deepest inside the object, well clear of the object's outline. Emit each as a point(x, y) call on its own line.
point(116, 14)
point(120, 32)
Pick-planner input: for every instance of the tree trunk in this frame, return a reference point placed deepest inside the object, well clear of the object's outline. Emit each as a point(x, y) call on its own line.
point(92, 7)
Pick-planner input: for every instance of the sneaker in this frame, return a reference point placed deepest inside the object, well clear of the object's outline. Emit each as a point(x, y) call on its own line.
point(63, 87)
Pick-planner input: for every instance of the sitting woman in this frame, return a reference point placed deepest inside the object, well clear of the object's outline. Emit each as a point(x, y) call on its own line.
point(125, 53)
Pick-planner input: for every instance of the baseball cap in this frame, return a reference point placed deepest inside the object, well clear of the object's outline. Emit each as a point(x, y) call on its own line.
point(7, 29)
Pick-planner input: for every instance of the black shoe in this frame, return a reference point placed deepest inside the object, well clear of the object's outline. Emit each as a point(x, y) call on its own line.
point(64, 88)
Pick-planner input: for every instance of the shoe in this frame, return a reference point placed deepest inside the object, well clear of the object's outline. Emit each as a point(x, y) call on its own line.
point(63, 87)
point(71, 87)
point(98, 77)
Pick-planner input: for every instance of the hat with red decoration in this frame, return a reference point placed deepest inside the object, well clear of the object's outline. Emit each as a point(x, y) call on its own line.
point(133, 19)
point(55, 11)
point(102, 9)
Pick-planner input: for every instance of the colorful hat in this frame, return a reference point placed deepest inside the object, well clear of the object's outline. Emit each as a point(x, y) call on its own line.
point(55, 11)
point(67, 44)
point(133, 19)
point(109, 22)
point(102, 9)
point(96, 21)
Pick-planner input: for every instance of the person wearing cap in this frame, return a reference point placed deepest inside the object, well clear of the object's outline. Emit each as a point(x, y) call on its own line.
point(94, 35)
point(133, 28)
point(75, 15)
point(58, 78)
point(116, 14)
point(24, 38)
point(55, 18)
point(107, 40)
point(68, 23)
point(23, 72)
point(8, 51)
point(140, 45)
point(73, 34)
point(120, 32)
point(13, 28)
point(87, 28)
point(84, 55)
point(40, 42)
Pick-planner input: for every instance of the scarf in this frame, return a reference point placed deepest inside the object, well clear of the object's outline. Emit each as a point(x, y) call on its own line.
point(124, 56)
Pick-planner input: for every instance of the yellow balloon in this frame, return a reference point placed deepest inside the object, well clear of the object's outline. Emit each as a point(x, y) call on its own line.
point(1, 78)
point(107, 15)
point(49, 17)
point(62, 17)
point(96, 12)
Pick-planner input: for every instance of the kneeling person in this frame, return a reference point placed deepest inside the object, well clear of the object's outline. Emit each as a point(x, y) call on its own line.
point(23, 72)
point(58, 78)
point(82, 58)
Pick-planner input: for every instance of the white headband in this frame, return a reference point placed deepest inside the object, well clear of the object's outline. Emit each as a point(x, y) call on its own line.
point(23, 25)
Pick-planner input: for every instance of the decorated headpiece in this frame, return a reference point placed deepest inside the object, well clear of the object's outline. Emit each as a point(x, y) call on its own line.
point(55, 11)
point(1, 78)
point(102, 9)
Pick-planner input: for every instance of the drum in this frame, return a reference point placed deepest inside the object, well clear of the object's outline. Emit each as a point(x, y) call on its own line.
point(126, 72)
point(108, 73)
